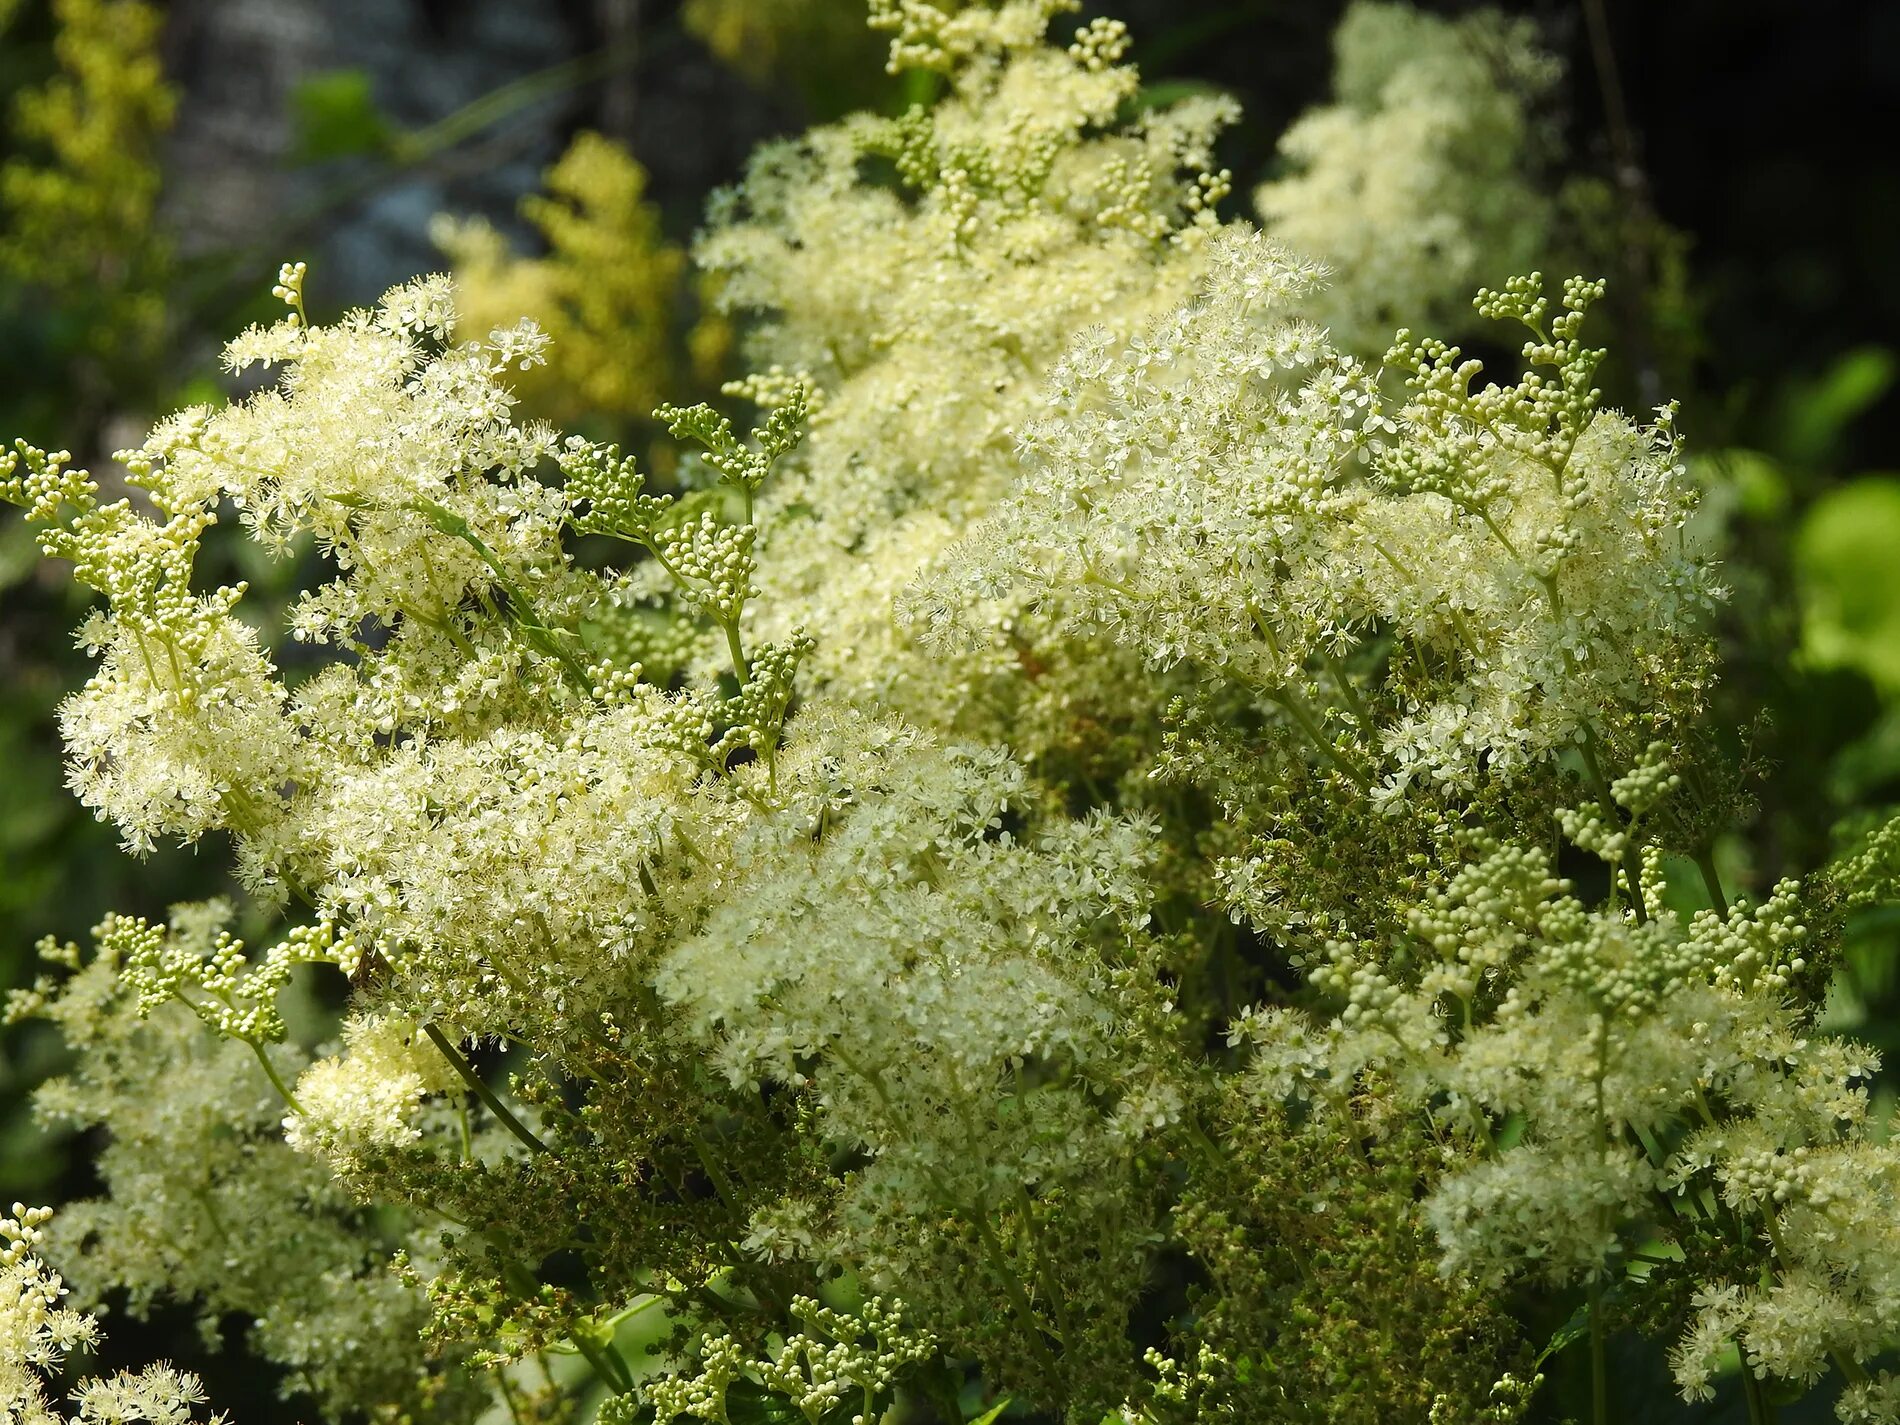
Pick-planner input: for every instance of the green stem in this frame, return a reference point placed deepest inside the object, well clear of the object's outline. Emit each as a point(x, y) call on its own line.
point(1043, 1269)
point(1092, 575)
point(1599, 1362)
point(1346, 689)
point(729, 1198)
point(1019, 1303)
point(466, 1071)
point(1599, 1369)
point(510, 98)
point(1751, 1388)
point(1459, 628)
point(619, 1363)
point(1502, 538)
point(652, 547)
point(276, 1080)
point(1297, 709)
point(1632, 186)
point(1850, 1368)
point(508, 1395)
point(610, 1368)
point(1712, 879)
point(1632, 859)
point(627, 1313)
point(739, 665)
point(1547, 581)
point(405, 153)
point(1702, 1108)
point(538, 633)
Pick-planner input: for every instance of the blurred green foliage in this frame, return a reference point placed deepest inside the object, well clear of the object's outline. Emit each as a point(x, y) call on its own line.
point(336, 117)
point(1850, 580)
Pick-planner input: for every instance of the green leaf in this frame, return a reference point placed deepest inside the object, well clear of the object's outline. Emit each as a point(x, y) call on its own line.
point(749, 1403)
point(1847, 563)
point(1868, 763)
point(1511, 1132)
point(1566, 1335)
point(1817, 413)
point(336, 117)
point(1756, 483)
point(1164, 93)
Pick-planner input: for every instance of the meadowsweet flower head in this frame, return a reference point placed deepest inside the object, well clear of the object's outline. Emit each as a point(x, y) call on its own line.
point(810, 884)
point(1024, 209)
point(37, 1333)
point(1421, 179)
point(1227, 491)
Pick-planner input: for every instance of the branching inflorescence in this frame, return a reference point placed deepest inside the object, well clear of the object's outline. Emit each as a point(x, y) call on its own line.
point(1111, 849)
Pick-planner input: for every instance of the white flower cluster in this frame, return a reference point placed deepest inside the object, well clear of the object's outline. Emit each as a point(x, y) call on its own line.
point(1224, 489)
point(211, 1208)
point(506, 850)
point(1420, 181)
point(1662, 1088)
point(1025, 209)
point(36, 1333)
point(366, 1097)
point(724, 933)
point(958, 1000)
point(837, 1360)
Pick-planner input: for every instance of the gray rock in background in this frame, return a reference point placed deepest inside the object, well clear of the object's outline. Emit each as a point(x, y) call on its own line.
point(237, 190)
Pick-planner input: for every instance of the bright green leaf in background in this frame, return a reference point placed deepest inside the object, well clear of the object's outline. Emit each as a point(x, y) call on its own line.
point(1815, 414)
point(337, 117)
point(1849, 580)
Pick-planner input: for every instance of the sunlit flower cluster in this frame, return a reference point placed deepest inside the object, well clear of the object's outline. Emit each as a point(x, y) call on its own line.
point(1112, 850)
